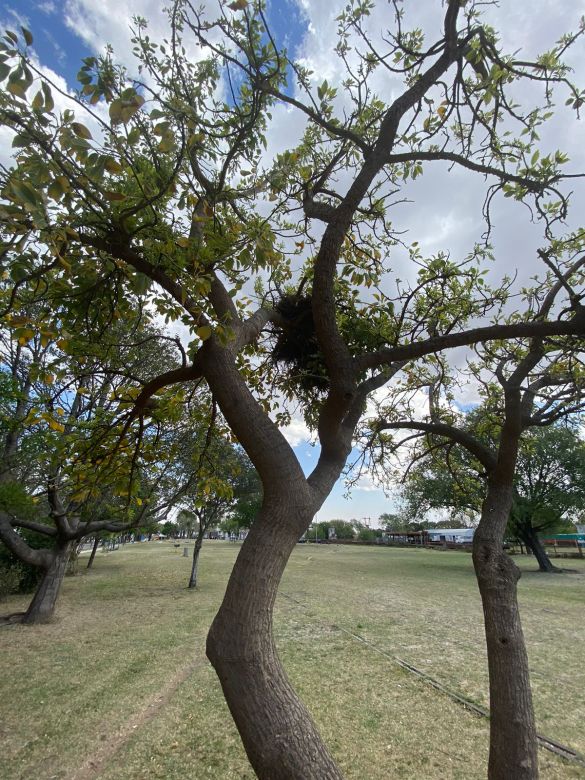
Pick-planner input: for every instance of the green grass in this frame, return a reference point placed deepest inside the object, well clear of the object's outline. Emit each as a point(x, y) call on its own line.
point(119, 687)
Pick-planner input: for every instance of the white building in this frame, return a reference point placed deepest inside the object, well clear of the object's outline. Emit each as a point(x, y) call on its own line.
point(454, 535)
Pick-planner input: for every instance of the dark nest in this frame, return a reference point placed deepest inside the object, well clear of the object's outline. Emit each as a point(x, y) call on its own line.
point(296, 345)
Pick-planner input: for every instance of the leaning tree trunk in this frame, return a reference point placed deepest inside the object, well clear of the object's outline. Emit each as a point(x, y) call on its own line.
point(96, 542)
point(513, 745)
point(195, 566)
point(531, 540)
point(279, 735)
point(42, 607)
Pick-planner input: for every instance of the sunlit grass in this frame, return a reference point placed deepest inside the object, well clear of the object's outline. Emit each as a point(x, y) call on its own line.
point(119, 687)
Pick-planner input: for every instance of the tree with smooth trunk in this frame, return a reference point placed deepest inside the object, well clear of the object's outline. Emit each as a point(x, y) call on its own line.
point(532, 386)
point(171, 197)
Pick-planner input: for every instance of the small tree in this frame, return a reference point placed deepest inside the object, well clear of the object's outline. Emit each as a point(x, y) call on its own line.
point(63, 402)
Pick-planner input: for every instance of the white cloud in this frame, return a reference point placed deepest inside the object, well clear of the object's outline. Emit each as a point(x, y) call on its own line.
point(47, 7)
point(296, 432)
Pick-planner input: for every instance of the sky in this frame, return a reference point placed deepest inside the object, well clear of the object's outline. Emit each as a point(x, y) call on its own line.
point(448, 213)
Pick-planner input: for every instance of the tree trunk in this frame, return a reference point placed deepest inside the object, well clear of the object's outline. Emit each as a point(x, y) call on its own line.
point(513, 745)
point(42, 607)
point(532, 541)
point(194, 567)
point(96, 542)
point(279, 735)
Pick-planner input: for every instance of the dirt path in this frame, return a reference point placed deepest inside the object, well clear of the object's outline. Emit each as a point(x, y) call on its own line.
point(95, 763)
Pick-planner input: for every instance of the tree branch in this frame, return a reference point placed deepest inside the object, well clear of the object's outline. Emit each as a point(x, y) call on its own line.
point(572, 327)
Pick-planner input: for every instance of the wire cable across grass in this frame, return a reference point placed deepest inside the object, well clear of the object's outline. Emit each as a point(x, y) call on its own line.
point(564, 751)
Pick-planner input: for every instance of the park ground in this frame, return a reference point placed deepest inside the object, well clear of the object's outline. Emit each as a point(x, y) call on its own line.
point(118, 687)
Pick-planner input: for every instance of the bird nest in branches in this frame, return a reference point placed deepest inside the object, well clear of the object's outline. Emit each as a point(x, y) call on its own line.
point(297, 346)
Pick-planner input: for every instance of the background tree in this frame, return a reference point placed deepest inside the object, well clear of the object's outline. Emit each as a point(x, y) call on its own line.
point(65, 398)
point(549, 486)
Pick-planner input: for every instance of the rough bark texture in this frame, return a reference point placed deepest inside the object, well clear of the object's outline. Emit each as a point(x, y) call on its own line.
point(279, 735)
point(277, 731)
point(42, 607)
point(513, 745)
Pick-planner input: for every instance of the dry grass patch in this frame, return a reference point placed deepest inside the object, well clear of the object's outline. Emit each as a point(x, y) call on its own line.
point(119, 687)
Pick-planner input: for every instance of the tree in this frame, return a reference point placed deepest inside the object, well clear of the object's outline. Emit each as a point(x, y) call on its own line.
point(530, 385)
point(549, 485)
point(170, 198)
point(76, 485)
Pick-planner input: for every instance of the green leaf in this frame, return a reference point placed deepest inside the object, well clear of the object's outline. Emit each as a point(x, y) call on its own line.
point(37, 101)
point(81, 131)
point(534, 158)
point(112, 166)
point(25, 192)
point(133, 136)
point(17, 88)
point(49, 102)
point(167, 144)
point(141, 283)
point(27, 36)
point(114, 196)
point(5, 70)
point(56, 189)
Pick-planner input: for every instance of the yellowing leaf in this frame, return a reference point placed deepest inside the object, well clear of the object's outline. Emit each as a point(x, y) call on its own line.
point(238, 5)
point(81, 131)
point(112, 166)
point(204, 332)
point(56, 426)
point(441, 111)
point(38, 101)
point(49, 378)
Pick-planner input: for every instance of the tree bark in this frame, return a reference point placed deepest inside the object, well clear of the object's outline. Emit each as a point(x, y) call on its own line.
point(42, 607)
point(513, 745)
point(196, 551)
point(531, 540)
point(96, 542)
point(279, 735)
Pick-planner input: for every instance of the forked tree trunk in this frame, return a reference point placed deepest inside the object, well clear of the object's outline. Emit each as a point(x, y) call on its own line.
point(531, 540)
point(195, 566)
point(42, 607)
point(279, 735)
point(513, 745)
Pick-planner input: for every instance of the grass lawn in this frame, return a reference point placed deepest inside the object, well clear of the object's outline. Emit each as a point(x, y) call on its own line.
point(119, 687)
